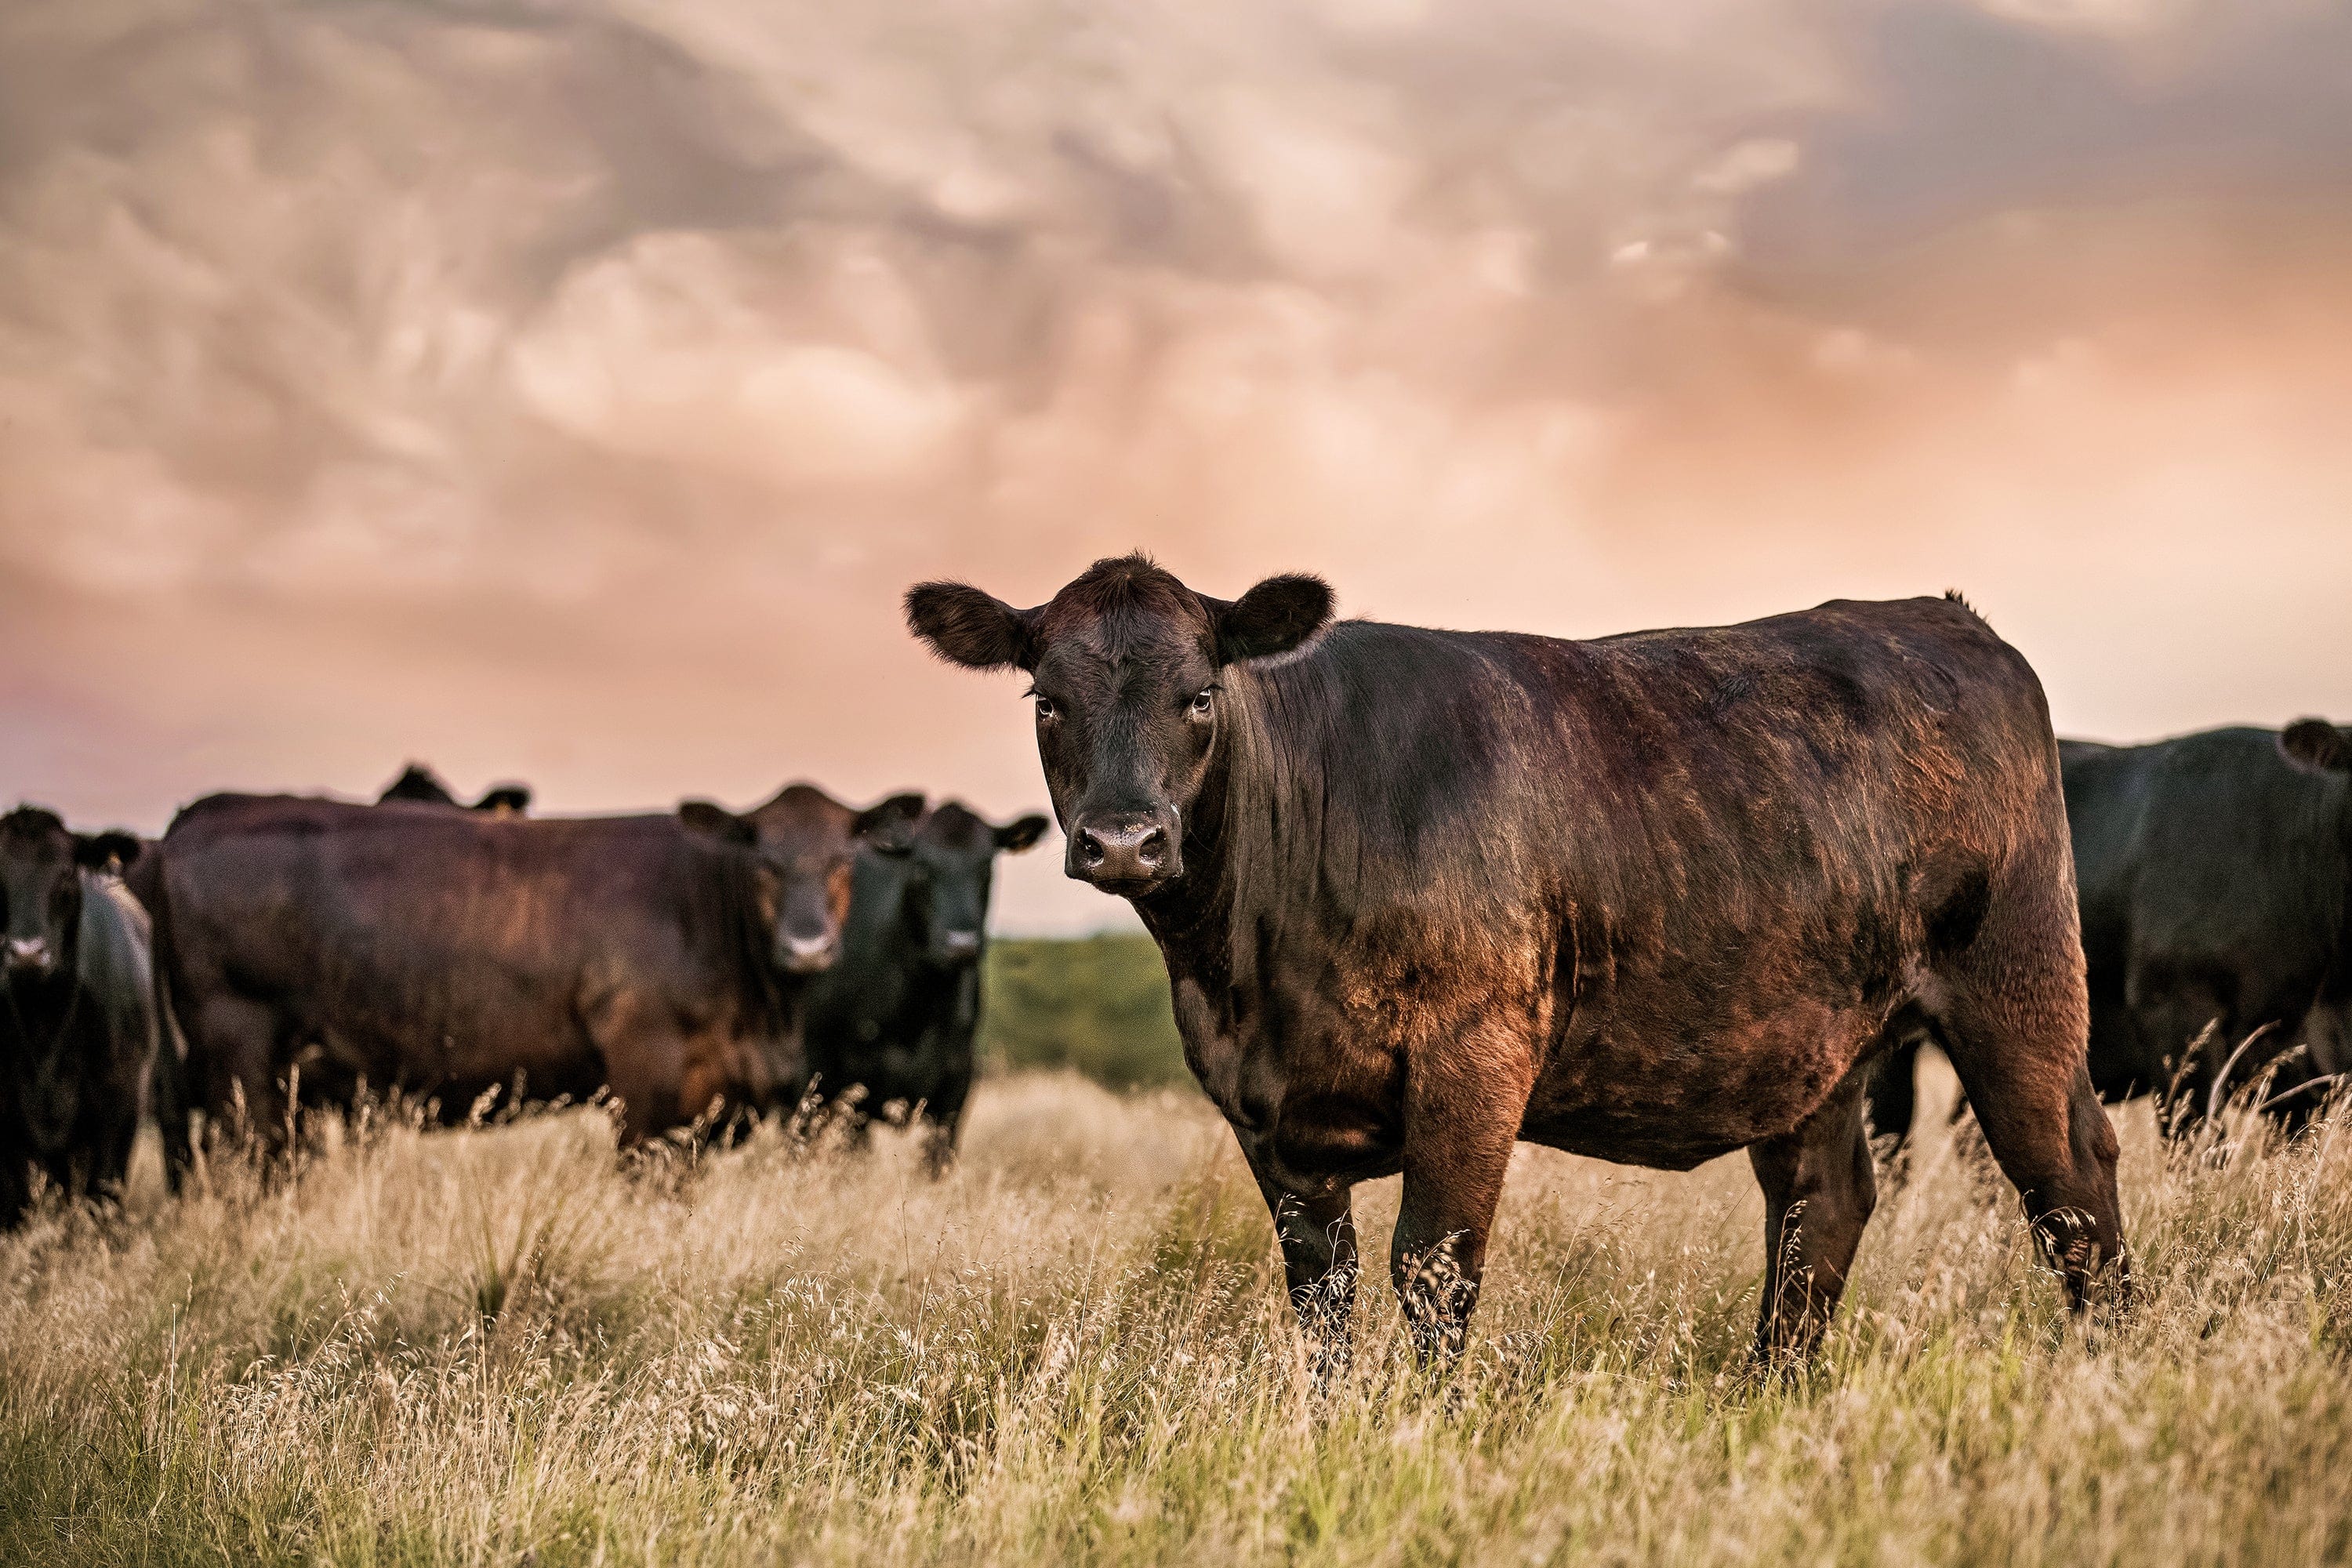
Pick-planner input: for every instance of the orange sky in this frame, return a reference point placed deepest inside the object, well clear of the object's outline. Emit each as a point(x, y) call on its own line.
point(567, 392)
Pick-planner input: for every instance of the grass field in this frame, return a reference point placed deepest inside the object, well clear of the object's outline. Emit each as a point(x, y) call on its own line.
point(1096, 1005)
point(496, 1346)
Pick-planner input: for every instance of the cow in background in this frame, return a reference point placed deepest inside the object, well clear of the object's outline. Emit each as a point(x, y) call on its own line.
point(447, 954)
point(83, 1051)
point(420, 785)
point(893, 1023)
point(2215, 872)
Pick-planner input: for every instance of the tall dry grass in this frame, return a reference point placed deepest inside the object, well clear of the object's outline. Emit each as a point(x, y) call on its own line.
point(498, 1346)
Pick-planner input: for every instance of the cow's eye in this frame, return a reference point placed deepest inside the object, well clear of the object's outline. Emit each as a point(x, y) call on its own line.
point(1204, 701)
point(1046, 711)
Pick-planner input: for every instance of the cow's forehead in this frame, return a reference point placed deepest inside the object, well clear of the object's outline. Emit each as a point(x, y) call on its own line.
point(31, 835)
point(955, 829)
point(1111, 649)
point(804, 818)
point(1120, 610)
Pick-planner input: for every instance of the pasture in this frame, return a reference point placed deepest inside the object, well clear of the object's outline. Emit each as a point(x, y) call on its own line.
point(498, 1346)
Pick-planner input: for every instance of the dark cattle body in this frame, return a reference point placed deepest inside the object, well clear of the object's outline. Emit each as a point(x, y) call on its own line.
point(449, 953)
point(1651, 898)
point(2216, 877)
point(79, 1047)
point(893, 1021)
point(420, 785)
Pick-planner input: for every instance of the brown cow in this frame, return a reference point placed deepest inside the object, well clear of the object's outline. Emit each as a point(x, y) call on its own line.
point(1652, 898)
point(449, 953)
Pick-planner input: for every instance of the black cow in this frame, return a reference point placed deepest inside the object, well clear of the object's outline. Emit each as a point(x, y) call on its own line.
point(81, 1053)
point(449, 953)
point(2216, 875)
point(420, 785)
point(895, 1019)
point(1652, 898)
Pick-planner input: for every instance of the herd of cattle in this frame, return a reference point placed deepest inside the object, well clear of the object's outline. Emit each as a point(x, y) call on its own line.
point(275, 951)
point(1422, 895)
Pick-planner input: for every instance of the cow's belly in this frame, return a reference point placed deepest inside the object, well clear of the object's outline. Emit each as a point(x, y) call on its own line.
point(1673, 1100)
point(452, 1030)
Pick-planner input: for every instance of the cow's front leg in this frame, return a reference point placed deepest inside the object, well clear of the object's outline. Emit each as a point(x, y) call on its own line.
point(1819, 1189)
point(1462, 1119)
point(1318, 1264)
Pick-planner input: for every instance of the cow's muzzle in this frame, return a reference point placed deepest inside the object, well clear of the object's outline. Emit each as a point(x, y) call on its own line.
point(1127, 853)
point(957, 946)
point(807, 955)
point(30, 956)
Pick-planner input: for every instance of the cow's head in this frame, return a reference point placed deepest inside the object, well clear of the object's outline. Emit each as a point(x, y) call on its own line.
point(2317, 745)
point(1124, 664)
point(504, 800)
point(803, 844)
point(420, 785)
point(944, 881)
point(40, 889)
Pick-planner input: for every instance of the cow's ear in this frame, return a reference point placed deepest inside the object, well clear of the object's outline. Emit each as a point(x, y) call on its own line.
point(1015, 836)
point(716, 822)
point(889, 827)
point(2316, 744)
point(114, 848)
point(513, 797)
point(1273, 617)
point(419, 784)
point(966, 627)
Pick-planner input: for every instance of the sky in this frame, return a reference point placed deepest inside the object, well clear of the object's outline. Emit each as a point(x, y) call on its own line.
point(567, 392)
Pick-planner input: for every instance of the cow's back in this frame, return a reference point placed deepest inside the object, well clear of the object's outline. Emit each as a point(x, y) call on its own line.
point(1415, 766)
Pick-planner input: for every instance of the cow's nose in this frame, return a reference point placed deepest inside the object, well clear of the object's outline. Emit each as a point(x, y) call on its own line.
point(807, 954)
point(1122, 850)
point(958, 943)
point(28, 952)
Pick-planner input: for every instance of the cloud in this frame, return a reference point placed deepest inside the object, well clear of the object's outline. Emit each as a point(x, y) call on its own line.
point(572, 388)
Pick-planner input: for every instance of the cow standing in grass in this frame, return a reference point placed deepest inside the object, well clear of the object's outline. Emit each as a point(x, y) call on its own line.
point(2215, 873)
point(893, 1024)
point(1651, 898)
point(82, 1051)
point(449, 953)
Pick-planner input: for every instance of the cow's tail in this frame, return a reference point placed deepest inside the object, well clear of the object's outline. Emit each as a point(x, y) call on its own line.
point(168, 1078)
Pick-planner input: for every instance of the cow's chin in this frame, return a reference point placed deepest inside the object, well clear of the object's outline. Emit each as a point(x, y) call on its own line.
point(1132, 887)
point(807, 960)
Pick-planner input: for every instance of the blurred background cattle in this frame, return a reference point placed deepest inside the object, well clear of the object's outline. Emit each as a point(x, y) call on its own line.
point(271, 954)
point(84, 1053)
point(2215, 878)
point(892, 1027)
point(315, 951)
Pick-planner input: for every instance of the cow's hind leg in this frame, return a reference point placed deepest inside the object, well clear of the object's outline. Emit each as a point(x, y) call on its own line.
point(2014, 1021)
point(938, 1131)
point(1819, 1189)
point(243, 1099)
point(1894, 1093)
